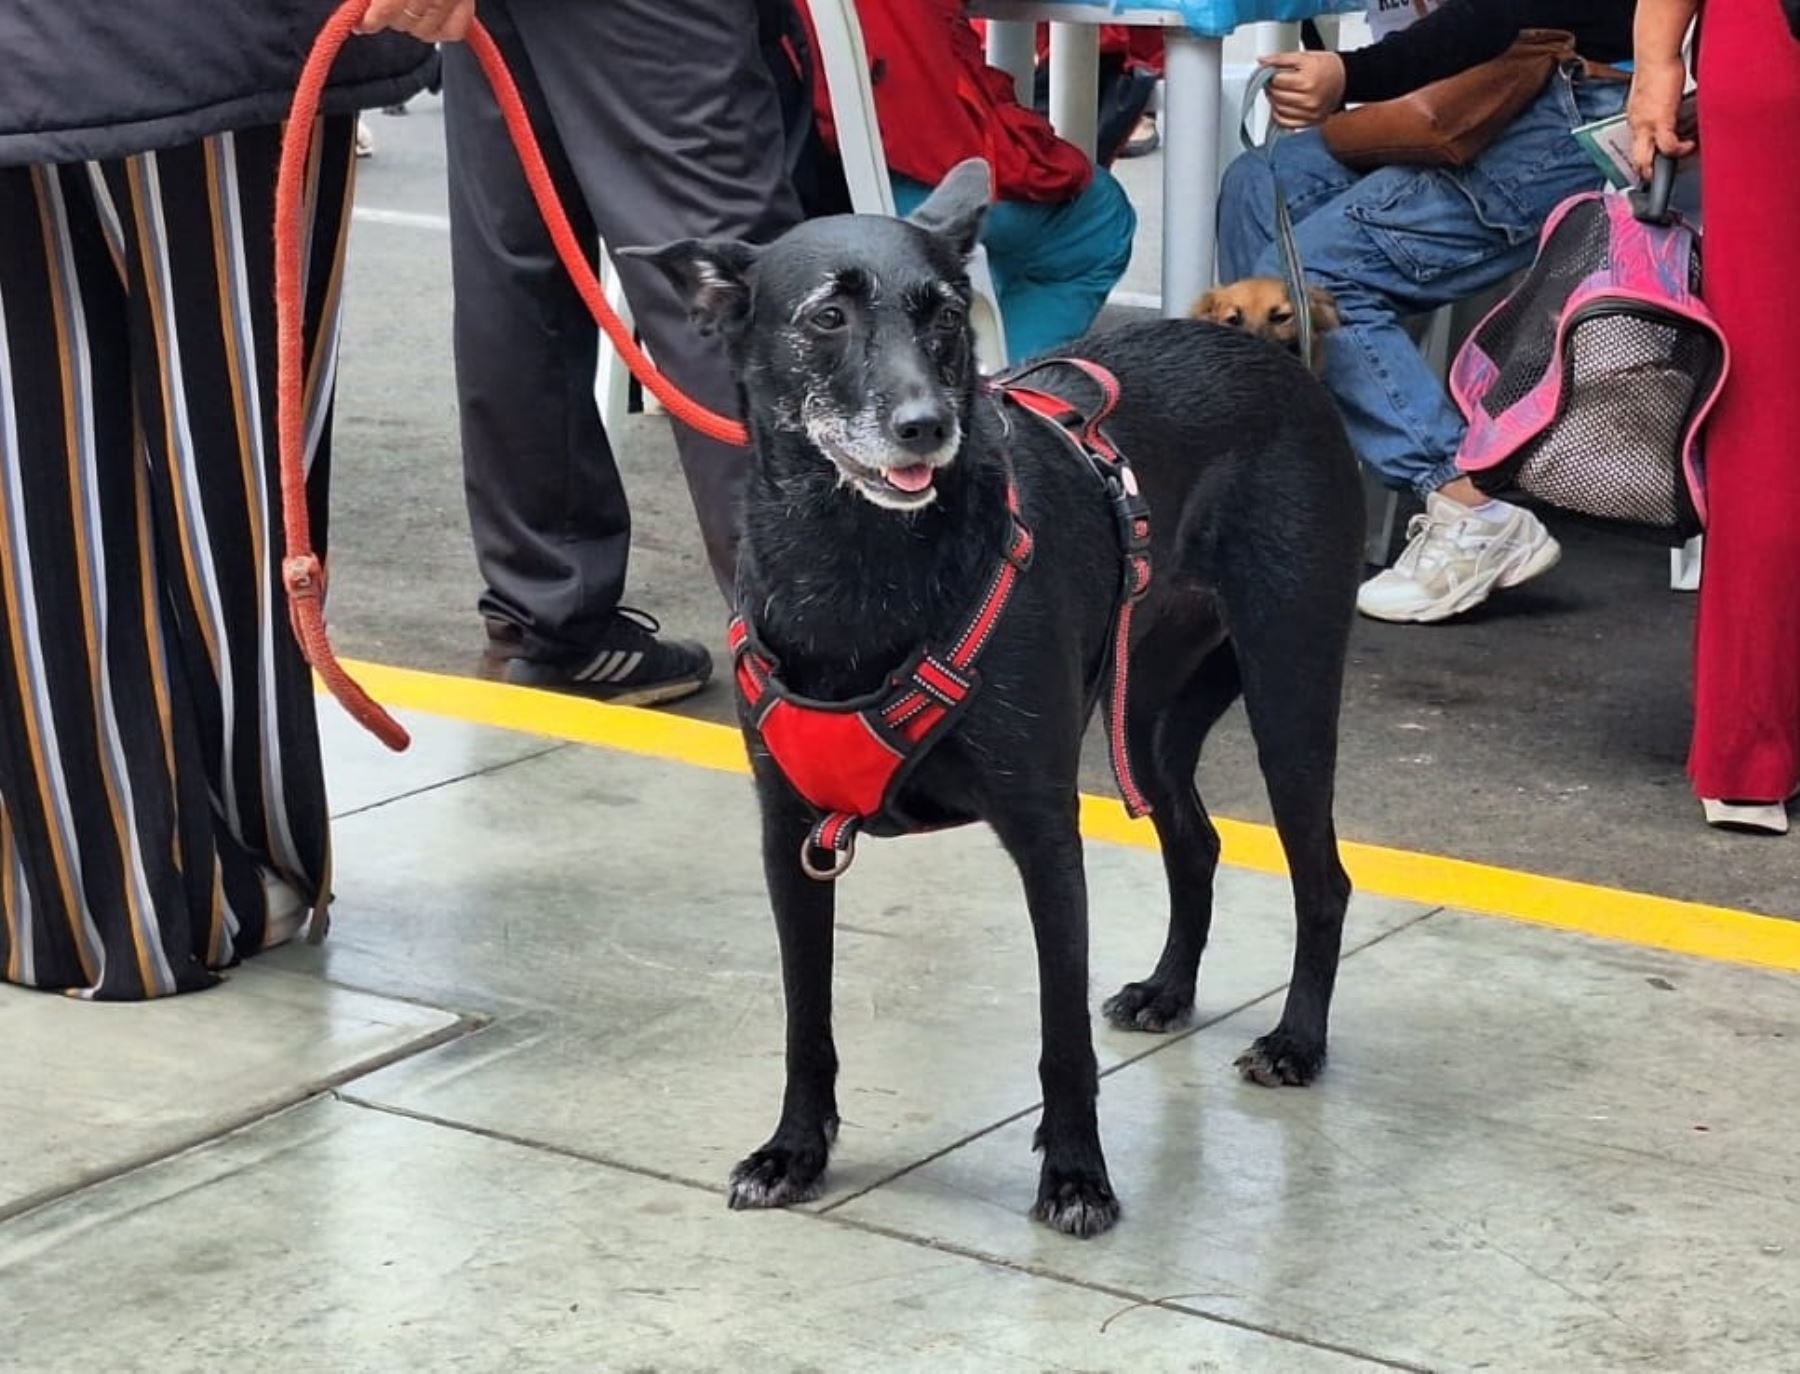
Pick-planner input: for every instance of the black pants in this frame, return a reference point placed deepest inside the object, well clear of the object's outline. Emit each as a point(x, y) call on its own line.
point(659, 121)
point(159, 751)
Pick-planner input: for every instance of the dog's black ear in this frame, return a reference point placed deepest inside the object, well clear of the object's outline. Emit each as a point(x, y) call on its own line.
point(711, 275)
point(958, 207)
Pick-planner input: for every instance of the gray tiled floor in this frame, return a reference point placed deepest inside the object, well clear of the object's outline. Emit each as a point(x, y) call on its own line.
point(1531, 1151)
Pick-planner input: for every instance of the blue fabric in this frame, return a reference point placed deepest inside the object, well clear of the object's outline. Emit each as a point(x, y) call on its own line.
point(1403, 241)
point(1216, 18)
point(1053, 265)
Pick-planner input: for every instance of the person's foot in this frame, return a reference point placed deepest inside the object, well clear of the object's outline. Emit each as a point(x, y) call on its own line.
point(631, 665)
point(1748, 817)
point(286, 909)
point(1457, 556)
point(365, 141)
point(1144, 138)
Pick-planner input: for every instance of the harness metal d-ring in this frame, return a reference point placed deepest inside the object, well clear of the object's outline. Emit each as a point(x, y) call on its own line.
point(841, 861)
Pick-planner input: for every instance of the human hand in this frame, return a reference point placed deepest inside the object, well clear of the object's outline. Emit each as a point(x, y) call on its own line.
point(430, 21)
point(1310, 85)
point(1656, 90)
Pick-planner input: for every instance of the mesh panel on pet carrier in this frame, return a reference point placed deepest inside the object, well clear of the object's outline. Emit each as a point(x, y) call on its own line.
point(1629, 387)
point(1523, 330)
point(1584, 390)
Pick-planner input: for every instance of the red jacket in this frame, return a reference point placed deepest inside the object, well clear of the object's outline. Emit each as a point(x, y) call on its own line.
point(938, 102)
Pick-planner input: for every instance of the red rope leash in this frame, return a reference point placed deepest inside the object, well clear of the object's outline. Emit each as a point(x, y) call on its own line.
point(301, 572)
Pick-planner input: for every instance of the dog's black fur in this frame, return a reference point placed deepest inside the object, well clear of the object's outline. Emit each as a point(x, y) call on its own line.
point(1257, 510)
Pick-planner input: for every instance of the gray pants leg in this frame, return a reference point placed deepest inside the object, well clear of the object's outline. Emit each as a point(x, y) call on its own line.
point(660, 122)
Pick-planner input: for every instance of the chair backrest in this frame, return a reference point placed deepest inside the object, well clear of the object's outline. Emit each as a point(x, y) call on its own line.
point(852, 93)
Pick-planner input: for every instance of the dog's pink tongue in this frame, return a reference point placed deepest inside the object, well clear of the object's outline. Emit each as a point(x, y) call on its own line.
point(912, 477)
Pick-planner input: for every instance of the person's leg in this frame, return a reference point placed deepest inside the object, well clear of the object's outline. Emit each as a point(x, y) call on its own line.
point(1310, 177)
point(1401, 242)
point(64, 867)
point(547, 510)
point(1746, 744)
point(672, 125)
point(1055, 265)
point(236, 696)
point(160, 786)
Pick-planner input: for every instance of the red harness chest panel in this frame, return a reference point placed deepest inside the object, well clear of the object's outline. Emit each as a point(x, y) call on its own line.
point(850, 759)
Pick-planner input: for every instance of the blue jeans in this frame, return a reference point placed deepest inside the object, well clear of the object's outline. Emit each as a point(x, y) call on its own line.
point(1053, 265)
point(1403, 241)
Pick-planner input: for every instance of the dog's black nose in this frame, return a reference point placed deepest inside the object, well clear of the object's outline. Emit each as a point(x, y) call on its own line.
point(919, 426)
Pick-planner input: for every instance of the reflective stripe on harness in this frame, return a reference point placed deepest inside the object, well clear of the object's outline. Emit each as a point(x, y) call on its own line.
point(850, 759)
point(1082, 431)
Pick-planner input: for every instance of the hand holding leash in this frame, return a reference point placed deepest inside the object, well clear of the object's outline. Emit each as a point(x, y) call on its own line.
point(430, 21)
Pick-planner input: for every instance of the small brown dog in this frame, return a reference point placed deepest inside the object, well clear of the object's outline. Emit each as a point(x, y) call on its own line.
point(1260, 306)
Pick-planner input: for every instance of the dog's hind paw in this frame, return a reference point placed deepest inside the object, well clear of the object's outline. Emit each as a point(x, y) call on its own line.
point(1278, 1060)
point(777, 1176)
point(1149, 1007)
point(1077, 1204)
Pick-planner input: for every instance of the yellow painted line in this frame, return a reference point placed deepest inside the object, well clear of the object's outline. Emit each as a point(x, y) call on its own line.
point(1638, 918)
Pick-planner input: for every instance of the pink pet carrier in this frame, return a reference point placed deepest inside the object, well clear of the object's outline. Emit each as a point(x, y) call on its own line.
point(1585, 389)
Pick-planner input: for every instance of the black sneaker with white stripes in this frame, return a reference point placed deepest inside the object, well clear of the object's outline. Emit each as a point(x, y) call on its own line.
point(630, 666)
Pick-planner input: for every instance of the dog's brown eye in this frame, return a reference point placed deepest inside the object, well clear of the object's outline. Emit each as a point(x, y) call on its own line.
point(950, 317)
point(827, 319)
point(1235, 318)
point(1280, 315)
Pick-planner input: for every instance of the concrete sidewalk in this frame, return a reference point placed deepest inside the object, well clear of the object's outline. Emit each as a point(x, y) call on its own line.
point(486, 1125)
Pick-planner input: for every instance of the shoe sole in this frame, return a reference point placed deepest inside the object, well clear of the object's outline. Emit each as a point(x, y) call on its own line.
point(1771, 819)
point(1543, 558)
point(650, 694)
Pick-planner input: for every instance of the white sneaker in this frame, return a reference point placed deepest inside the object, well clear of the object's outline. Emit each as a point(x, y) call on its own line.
point(365, 141)
point(1455, 559)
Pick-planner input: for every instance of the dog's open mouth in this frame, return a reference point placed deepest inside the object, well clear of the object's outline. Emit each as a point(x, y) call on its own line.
point(914, 477)
point(898, 486)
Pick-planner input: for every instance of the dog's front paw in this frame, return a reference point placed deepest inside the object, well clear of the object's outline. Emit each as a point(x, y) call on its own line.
point(1077, 1202)
point(1279, 1060)
point(1149, 1006)
point(778, 1176)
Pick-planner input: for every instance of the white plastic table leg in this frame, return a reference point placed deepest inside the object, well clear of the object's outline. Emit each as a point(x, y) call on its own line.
point(1194, 73)
point(1012, 47)
point(1075, 83)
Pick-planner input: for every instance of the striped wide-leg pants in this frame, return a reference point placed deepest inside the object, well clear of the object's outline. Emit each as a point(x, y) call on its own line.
point(160, 782)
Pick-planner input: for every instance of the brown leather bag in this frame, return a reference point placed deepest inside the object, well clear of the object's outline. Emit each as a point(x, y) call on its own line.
point(1449, 122)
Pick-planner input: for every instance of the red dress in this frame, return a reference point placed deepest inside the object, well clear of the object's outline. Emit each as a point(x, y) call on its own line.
point(1746, 744)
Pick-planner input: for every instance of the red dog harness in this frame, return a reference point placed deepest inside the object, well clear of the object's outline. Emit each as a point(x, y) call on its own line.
point(850, 759)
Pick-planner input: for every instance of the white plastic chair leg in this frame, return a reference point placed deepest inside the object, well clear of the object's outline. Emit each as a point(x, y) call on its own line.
point(612, 383)
point(1382, 504)
point(1684, 565)
point(990, 329)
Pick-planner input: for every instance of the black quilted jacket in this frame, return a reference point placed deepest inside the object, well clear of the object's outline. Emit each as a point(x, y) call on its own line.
point(102, 78)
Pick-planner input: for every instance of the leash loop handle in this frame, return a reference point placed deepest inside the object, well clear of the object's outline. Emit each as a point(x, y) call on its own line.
point(1292, 271)
point(302, 573)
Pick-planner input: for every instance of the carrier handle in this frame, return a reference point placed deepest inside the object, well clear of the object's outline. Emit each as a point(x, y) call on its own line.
point(1291, 269)
point(1650, 204)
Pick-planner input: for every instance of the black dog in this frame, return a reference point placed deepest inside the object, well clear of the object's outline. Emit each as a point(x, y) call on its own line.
point(876, 508)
